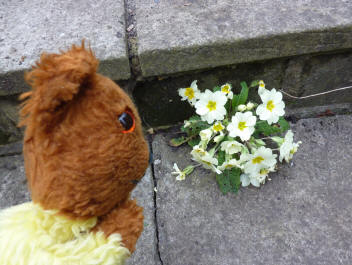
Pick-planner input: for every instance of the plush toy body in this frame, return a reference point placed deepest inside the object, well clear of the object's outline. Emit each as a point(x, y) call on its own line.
point(84, 152)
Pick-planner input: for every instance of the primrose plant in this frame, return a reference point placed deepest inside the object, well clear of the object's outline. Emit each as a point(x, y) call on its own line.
point(235, 138)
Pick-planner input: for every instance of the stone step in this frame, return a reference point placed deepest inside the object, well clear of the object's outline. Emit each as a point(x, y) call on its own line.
point(303, 47)
point(302, 216)
point(28, 28)
point(179, 36)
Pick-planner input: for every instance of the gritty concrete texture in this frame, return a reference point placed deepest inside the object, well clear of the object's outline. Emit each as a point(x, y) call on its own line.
point(302, 216)
point(311, 74)
point(13, 184)
point(178, 36)
point(146, 248)
point(29, 27)
point(11, 149)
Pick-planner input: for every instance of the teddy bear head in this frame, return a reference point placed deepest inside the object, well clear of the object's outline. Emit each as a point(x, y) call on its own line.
point(84, 148)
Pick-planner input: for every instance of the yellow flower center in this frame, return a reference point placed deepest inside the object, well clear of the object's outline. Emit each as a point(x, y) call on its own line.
point(257, 160)
point(225, 89)
point(242, 125)
point(218, 127)
point(228, 166)
point(264, 171)
point(261, 83)
point(189, 93)
point(211, 105)
point(270, 105)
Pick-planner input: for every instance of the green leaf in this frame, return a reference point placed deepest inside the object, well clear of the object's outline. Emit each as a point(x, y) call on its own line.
point(223, 182)
point(195, 118)
point(194, 141)
point(266, 129)
point(196, 125)
point(217, 88)
point(221, 157)
point(235, 102)
point(284, 125)
point(229, 180)
point(235, 179)
point(244, 94)
point(178, 141)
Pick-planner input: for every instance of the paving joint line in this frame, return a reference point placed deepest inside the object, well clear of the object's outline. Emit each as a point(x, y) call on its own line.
point(155, 206)
point(132, 40)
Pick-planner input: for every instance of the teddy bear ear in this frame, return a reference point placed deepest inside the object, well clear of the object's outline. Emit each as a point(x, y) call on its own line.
point(56, 80)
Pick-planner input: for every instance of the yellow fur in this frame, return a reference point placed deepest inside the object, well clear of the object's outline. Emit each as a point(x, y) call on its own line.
point(30, 235)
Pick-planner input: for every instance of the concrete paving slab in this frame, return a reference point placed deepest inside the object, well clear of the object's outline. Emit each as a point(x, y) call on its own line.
point(29, 27)
point(146, 248)
point(302, 216)
point(13, 190)
point(13, 184)
point(178, 36)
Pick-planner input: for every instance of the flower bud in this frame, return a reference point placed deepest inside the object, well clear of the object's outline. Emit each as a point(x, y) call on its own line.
point(242, 107)
point(250, 106)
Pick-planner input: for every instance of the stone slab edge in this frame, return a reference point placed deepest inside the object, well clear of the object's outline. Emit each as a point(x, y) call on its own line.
point(12, 83)
point(180, 59)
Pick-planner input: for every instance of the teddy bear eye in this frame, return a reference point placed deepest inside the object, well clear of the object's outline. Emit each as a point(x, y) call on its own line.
point(127, 121)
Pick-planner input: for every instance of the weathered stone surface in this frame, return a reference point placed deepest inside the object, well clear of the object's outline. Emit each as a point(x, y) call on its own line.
point(302, 216)
point(9, 132)
point(307, 75)
point(27, 28)
point(146, 248)
point(11, 149)
point(179, 36)
point(13, 184)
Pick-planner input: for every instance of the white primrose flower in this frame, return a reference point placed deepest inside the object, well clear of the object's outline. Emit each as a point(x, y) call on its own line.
point(230, 164)
point(288, 147)
point(211, 106)
point(272, 107)
point(206, 134)
point(261, 87)
point(226, 89)
point(256, 179)
point(218, 127)
point(180, 175)
point(241, 107)
point(210, 162)
point(242, 125)
point(198, 152)
point(231, 147)
point(261, 158)
point(190, 93)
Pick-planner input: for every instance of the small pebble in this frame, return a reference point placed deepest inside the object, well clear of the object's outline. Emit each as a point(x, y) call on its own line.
point(130, 28)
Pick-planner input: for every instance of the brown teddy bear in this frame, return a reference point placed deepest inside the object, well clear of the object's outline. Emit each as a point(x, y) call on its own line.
point(84, 152)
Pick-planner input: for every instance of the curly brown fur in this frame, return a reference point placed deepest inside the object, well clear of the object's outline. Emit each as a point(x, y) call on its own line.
point(77, 159)
point(127, 220)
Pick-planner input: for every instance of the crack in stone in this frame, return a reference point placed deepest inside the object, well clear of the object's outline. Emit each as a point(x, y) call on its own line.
point(155, 208)
point(131, 38)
